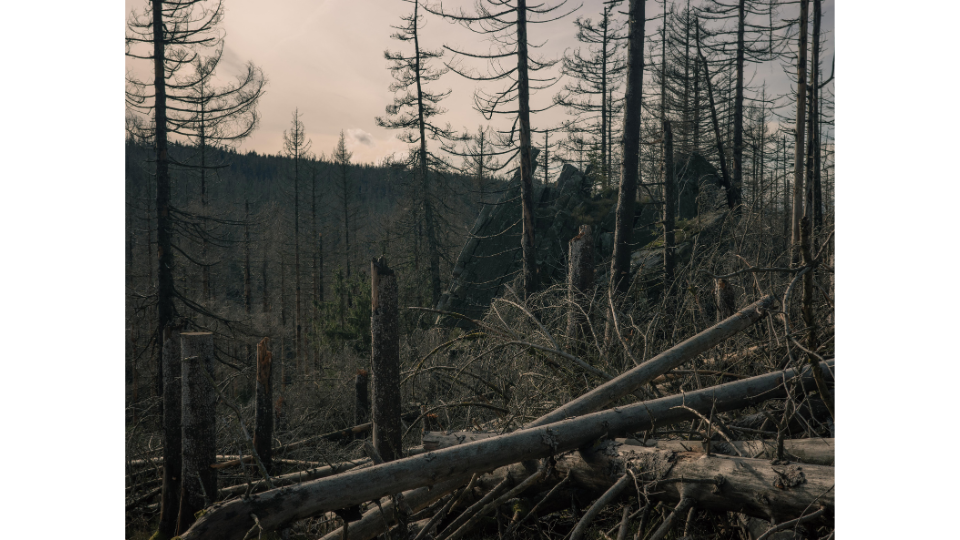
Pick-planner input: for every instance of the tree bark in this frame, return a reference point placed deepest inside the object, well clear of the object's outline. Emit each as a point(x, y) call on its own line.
point(172, 433)
point(630, 143)
point(165, 292)
point(756, 487)
point(579, 284)
point(812, 451)
point(798, 191)
point(247, 283)
point(263, 430)
point(385, 346)
point(278, 507)
point(669, 201)
point(738, 107)
point(199, 488)
point(814, 196)
point(531, 278)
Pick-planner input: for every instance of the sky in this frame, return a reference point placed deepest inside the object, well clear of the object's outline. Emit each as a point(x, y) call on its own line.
point(325, 59)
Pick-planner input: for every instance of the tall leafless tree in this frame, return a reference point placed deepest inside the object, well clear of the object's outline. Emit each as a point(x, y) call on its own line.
point(505, 23)
point(630, 143)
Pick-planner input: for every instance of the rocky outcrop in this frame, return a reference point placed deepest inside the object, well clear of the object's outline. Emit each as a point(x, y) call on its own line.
point(491, 257)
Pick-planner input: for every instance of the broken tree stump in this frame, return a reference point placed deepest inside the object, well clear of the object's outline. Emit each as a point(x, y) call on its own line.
point(579, 283)
point(263, 429)
point(198, 408)
point(385, 353)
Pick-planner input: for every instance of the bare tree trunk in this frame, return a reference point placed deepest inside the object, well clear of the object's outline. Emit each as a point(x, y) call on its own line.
point(172, 433)
point(165, 290)
point(199, 427)
point(798, 191)
point(531, 278)
point(263, 430)
point(738, 106)
point(247, 284)
point(814, 196)
point(733, 196)
point(630, 142)
point(385, 348)
point(579, 284)
point(263, 276)
point(669, 200)
point(298, 350)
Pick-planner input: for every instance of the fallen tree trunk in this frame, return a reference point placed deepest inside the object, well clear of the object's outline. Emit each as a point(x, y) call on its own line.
point(594, 475)
point(278, 507)
point(306, 475)
point(812, 451)
point(756, 487)
point(672, 358)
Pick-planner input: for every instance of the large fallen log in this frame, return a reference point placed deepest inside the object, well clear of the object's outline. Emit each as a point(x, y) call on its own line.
point(812, 451)
point(298, 477)
point(757, 487)
point(275, 508)
point(594, 475)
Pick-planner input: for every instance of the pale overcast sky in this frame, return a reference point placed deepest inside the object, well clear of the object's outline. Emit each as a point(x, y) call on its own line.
point(325, 57)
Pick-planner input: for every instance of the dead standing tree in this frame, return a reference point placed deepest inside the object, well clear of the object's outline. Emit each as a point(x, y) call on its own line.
point(411, 73)
point(630, 143)
point(385, 352)
point(263, 430)
point(579, 284)
point(510, 35)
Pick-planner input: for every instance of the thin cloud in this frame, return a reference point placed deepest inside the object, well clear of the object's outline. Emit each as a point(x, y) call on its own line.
point(360, 136)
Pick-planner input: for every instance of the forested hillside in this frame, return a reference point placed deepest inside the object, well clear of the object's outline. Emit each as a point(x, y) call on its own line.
point(607, 311)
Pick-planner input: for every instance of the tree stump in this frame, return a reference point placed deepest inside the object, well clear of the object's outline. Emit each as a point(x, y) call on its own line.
point(263, 430)
point(579, 282)
point(385, 337)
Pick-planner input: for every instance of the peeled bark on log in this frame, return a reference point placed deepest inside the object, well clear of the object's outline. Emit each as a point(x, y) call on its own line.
point(198, 404)
point(756, 487)
point(278, 507)
point(671, 358)
point(812, 451)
